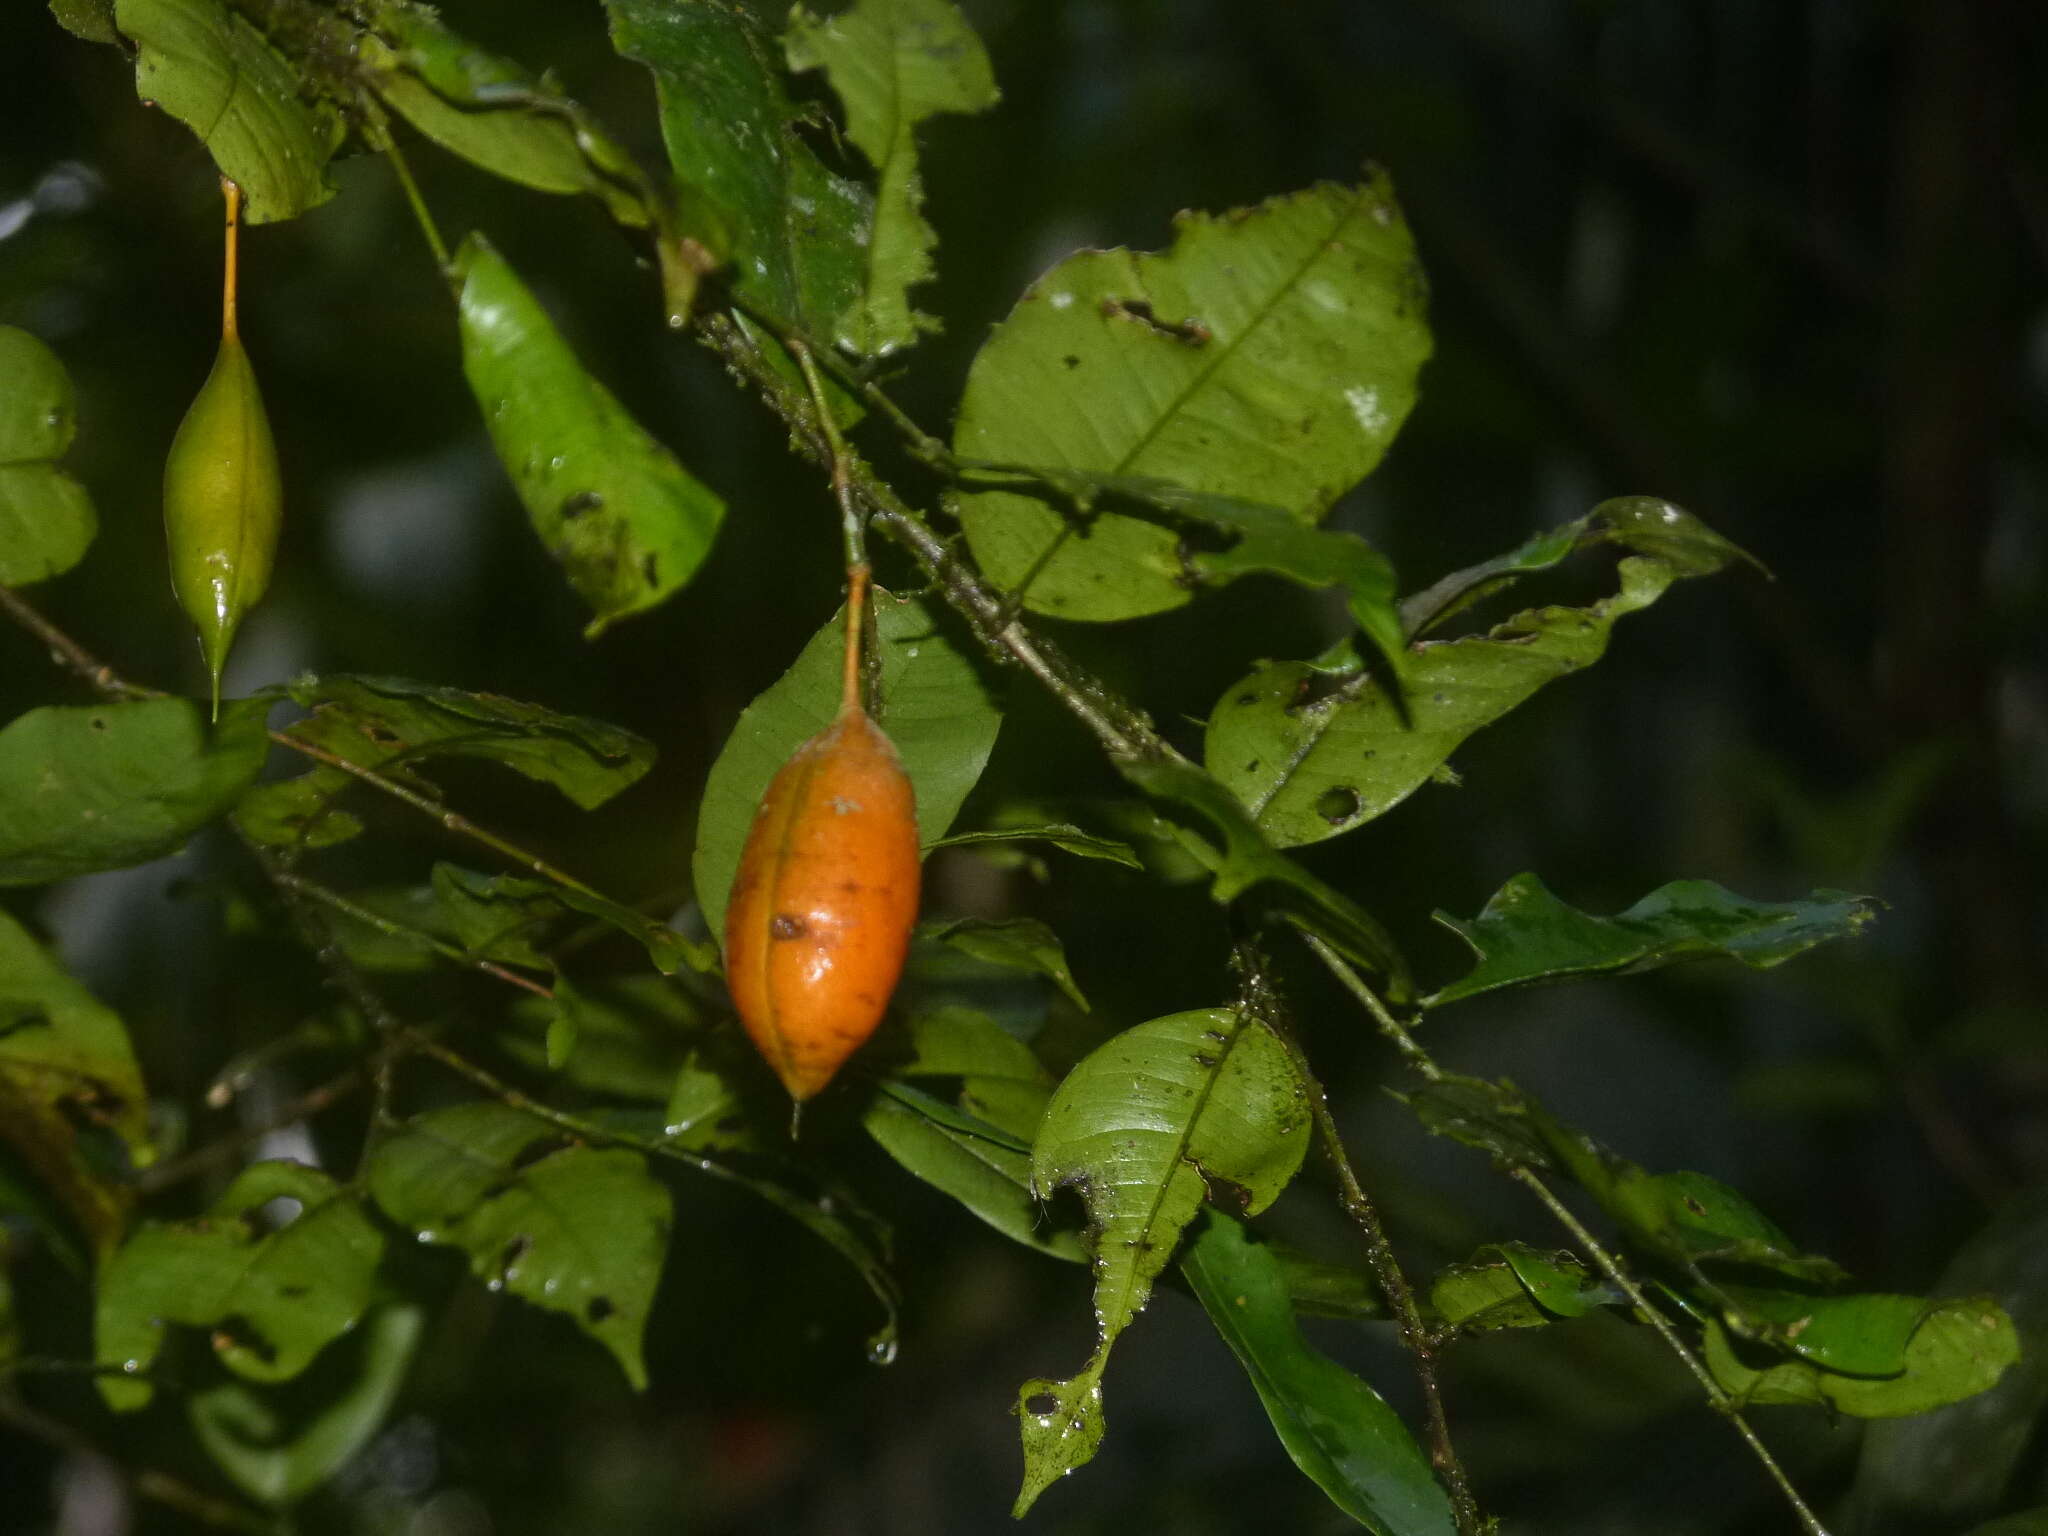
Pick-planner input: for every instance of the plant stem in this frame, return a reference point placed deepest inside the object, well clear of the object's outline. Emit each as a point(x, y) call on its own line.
point(397, 930)
point(852, 529)
point(1607, 1263)
point(68, 653)
point(1719, 1400)
point(421, 215)
point(453, 821)
point(1122, 730)
point(1416, 1338)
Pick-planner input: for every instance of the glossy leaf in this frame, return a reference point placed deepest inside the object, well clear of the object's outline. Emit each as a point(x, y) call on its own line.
point(627, 523)
point(277, 1451)
point(1525, 934)
point(103, 786)
point(1960, 1348)
point(213, 72)
point(1002, 1083)
point(492, 113)
point(1318, 748)
point(979, 1165)
point(68, 1083)
point(275, 1298)
point(46, 518)
point(575, 1229)
point(1245, 860)
point(1337, 1429)
point(1269, 356)
point(798, 232)
point(1015, 943)
point(1960, 1462)
point(1064, 836)
point(1146, 1127)
point(933, 700)
point(894, 64)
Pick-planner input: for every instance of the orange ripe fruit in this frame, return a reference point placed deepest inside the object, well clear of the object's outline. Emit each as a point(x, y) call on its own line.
point(826, 892)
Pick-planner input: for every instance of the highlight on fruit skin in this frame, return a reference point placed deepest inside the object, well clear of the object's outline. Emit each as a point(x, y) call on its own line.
point(223, 496)
point(826, 893)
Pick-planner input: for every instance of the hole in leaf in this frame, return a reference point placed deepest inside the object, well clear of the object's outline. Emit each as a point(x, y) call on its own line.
point(1041, 1404)
point(1337, 804)
point(599, 1308)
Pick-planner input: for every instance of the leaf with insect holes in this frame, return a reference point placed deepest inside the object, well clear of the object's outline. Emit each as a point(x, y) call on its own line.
point(1146, 1127)
point(575, 1229)
point(626, 522)
point(1317, 748)
point(276, 1295)
point(894, 64)
point(72, 1103)
point(1268, 357)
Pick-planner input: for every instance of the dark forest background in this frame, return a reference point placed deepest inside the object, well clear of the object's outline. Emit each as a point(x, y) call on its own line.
point(1782, 261)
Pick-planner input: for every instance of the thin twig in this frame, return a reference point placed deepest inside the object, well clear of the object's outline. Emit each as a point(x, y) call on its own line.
point(1418, 1058)
point(1123, 730)
point(397, 930)
point(1416, 1337)
point(68, 653)
point(202, 1159)
point(1717, 1398)
point(453, 821)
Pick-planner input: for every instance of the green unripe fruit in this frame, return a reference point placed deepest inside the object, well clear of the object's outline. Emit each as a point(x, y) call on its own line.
point(222, 505)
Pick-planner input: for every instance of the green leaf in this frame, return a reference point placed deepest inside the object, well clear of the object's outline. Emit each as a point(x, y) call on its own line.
point(1525, 934)
point(492, 113)
point(390, 724)
point(213, 72)
point(798, 232)
point(1643, 525)
point(627, 523)
point(1015, 943)
point(92, 20)
point(634, 1034)
point(1318, 748)
point(1336, 1428)
point(1146, 1127)
point(1246, 860)
point(1959, 1348)
point(103, 786)
point(1262, 538)
point(276, 1298)
point(962, 1042)
point(1270, 356)
point(1064, 836)
point(1511, 1285)
point(495, 917)
point(978, 1165)
point(894, 63)
point(69, 1083)
point(279, 1444)
point(46, 518)
point(577, 1230)
point(1488, 1117)
point(933, 700)
point(1963, 1462)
